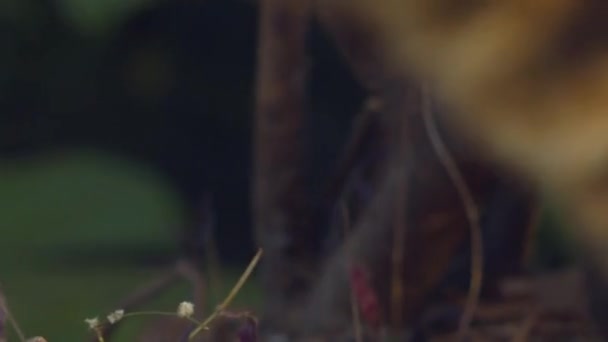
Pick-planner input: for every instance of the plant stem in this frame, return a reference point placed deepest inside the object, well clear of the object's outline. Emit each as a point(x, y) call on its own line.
point(237, 287)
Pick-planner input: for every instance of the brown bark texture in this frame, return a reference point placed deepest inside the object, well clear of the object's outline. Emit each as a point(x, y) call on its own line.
point(279, 192)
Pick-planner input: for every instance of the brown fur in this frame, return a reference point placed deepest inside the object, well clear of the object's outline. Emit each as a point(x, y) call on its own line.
point(526, 80)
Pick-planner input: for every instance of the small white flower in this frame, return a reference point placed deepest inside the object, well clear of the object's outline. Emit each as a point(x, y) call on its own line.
point(185, 309)
point(116, 316)
point(92, 322)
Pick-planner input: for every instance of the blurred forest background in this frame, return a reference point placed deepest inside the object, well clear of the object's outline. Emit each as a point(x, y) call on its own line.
point(124, 124)
point(119, 121)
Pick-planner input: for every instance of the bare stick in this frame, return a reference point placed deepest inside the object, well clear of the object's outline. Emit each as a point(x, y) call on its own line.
point(212, 258)
point(2, 318)
point(471, 211)
point(235, 290)
point(353, 299)
point(5, 314)
point(142, 295)
point(527, 326)
point(399, 227)
point(362, 134)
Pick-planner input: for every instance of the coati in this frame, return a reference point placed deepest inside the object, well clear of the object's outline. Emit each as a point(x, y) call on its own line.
point(526, 83)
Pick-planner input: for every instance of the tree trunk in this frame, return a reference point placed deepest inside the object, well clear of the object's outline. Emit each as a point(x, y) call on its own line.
point(279, 197)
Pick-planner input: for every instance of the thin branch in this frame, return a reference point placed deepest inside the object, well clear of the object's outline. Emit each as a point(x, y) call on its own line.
point(527, 326)
point(532, 229)
point(6, 315)
point(471, 211)
point(142, 295)
point(235, 290)
point(353, 299)
point(2, 318)
point(360, 138)
point(212, 258)
point(399, 227)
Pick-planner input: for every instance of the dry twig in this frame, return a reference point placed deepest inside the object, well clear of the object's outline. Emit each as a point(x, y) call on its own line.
point(399, 229)
point(6, 315)
point(2, 318)
point(526, 327)
point(353, 299)
point(471, 211)
point(237, 287)
point(142, 295)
